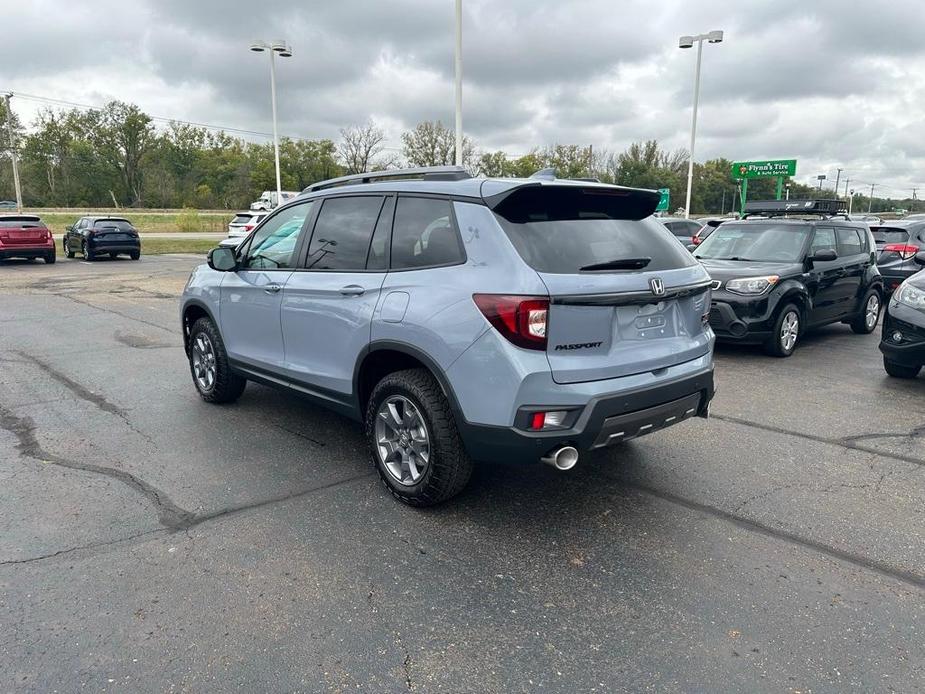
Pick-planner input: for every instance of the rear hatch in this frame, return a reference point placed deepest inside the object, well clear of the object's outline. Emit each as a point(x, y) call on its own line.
point(111, 230)
point(625, 296)
point(895, 248)
point(22, 230)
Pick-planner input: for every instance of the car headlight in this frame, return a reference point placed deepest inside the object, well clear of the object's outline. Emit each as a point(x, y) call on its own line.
point(910, 296)
point(752, 285)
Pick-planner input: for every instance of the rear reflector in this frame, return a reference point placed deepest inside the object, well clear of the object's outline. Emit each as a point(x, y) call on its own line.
point(905, 251)
point(520, 319)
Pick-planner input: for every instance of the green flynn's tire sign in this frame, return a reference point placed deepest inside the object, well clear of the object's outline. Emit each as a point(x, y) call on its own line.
point(664, 199)
point(764, 169)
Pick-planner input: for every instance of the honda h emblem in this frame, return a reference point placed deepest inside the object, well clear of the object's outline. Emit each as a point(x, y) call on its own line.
point(658, 287)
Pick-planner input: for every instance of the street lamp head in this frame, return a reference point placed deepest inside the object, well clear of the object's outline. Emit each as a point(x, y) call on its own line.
point(285, 53)
point(258, 46)
point(686, 42)
point(715, 36)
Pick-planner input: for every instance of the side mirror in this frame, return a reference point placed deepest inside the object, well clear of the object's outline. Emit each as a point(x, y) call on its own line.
point(69, 227)
point(920, 257)
point(223, 259)
point(824, 255)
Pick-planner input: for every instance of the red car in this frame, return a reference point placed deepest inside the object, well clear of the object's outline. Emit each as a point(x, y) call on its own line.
point(25, 236)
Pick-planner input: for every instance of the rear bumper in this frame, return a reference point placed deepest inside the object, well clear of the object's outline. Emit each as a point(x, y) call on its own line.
point(32, 250)
point(605, 420)
point(120, 246)
point(893, 278)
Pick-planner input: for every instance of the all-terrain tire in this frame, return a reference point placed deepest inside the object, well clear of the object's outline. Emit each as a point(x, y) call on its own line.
point(227, 385)
point(449, 466)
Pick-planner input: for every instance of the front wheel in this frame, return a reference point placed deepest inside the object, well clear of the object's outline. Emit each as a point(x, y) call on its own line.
point(208, 361)
point(413, 440)
point(865, 322)
point(67, 248)
point(899, 371)
point(786, 332)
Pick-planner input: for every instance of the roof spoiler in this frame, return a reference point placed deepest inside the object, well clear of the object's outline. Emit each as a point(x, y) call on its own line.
point(526, 202)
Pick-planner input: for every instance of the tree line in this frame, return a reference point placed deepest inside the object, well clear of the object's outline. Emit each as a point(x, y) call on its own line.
point(116, 156)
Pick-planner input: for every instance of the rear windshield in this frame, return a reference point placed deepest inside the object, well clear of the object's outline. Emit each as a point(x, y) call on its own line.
point(120, 224)
point(242, 218)
point(882, 236)
point(768, 242)
point(21, 222)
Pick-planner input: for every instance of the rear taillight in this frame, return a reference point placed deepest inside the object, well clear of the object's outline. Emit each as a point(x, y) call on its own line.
point(249, 227)
point(695, 240)
point(906, 252)
point(520, 319)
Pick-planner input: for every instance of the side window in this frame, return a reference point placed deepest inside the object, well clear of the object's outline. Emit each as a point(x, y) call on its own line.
point(823, 240)
point(849, 242)
point(273, 246)
point(423, 234)
point(343, 232)
point(378, 258)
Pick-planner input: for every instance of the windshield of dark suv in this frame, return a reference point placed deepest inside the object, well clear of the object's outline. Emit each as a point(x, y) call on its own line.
point(765, 242)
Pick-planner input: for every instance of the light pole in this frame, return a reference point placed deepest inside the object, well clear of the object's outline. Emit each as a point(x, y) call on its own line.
point(9, 122)
point(459, 132)
point(788, 192)
point(688, 42)
point(284, 50)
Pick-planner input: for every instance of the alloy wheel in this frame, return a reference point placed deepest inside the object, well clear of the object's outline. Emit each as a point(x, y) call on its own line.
point(402, 440)
point(789, 330)
point(203, 357)
point(872, 311)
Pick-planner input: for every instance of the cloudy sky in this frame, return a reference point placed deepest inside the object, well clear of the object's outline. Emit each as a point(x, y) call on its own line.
point(831, 83)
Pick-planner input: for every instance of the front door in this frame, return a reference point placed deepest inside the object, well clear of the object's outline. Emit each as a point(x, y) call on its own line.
point(251, 296)
point(824, 277)
point(328, 304)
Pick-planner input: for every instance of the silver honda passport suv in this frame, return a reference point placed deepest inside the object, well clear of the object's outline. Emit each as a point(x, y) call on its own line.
point(461, 319)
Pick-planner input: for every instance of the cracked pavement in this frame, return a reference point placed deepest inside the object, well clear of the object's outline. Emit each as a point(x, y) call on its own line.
point(152, 542)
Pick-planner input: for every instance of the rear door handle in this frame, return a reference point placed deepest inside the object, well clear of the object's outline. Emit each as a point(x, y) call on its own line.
point(352, 290)
point(272, 288)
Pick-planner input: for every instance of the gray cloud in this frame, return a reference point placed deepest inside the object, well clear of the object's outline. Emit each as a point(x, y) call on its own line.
point(830, 84)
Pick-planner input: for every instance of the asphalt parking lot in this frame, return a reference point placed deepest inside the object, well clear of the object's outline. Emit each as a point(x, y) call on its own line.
point(152, 542)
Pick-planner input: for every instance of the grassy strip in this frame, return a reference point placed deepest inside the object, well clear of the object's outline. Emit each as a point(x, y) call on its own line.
point(160, 246)
point(189, 220)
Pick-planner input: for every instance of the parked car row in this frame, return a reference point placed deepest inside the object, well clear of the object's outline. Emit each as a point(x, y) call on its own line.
point(27, 236)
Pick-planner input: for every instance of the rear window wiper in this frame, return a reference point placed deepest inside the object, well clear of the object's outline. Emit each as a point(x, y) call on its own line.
point(621, 264)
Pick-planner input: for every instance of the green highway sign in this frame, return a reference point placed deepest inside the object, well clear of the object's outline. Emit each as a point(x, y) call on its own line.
point(764, 169)
point(664, 201)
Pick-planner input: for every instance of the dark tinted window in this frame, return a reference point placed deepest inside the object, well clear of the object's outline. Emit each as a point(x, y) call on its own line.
point(20, 222)
point(423, 234)
point(849, 241)
point(273, 245)
point(119, 224)
point(343, 232)
point(241, 219)
point(824, 240)
point(563, 246)
point(758, 241)
point(885, 235)
point(379, 247)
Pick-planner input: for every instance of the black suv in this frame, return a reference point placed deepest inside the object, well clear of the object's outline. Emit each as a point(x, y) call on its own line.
point(897, 244)
point(97, 236)
point(776, 276)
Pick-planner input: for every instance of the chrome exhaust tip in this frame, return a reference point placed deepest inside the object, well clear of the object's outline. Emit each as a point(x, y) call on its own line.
point(564, 458)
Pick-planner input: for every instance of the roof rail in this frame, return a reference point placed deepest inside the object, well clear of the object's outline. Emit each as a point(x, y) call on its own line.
point(430, 173)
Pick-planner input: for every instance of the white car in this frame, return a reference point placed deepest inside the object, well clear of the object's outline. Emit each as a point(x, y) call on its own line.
point(242, 224)
point(269, 200)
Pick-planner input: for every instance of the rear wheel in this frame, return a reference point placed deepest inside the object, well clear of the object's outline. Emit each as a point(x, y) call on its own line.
point(135, 255)
point(208, 360)
point(786, 332)
point(899, 371)
point(87, 253)
point(865, 322)
point(67, 248)
point(50, 258)
point(413, 440)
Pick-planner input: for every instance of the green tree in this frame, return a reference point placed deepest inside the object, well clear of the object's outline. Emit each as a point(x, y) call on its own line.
point(123, 134)
point(433, 144)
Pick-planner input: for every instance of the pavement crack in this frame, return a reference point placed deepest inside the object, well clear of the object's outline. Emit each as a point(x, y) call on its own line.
point(23, 428)
point(69, 550)
point(847, 442)
point(85, 393)
point(299, 434)
point(882, 568)
point(114, 312)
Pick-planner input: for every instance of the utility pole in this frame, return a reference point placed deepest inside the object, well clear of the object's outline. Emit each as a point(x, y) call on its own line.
point(459, 130)
point(837, 179)
point(9, 122)
point(870, 201)
point(847, 181)
point(590, 160)
point(912, 204)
